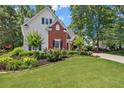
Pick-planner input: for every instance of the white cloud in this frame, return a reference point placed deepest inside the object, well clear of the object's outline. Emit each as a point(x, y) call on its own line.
point(55, 7)
point(60, 17)
point(63, 6)
point(59, 7)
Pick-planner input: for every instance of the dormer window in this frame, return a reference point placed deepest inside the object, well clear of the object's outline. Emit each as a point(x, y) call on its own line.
point(57, 27)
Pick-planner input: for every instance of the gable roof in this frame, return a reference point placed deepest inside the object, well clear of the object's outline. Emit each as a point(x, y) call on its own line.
point(71, 34)
point(56, 17)
point(58, 20)
point(35, 16)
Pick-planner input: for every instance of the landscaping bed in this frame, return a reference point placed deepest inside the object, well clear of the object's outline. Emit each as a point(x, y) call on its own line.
point(18, 59)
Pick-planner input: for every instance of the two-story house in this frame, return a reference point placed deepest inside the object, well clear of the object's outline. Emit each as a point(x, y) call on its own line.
point(54, 33)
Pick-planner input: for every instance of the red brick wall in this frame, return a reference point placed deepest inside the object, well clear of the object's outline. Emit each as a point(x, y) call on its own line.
point(53, 34)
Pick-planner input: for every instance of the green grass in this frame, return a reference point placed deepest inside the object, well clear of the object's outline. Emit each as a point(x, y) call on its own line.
point(73, 72)
point(120, 52)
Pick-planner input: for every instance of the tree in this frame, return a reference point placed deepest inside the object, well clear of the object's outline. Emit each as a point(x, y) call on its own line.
point(34, 39)
point(24, 11)
point(79, 41)
point(39, 8)
point(90, 20)
point(9, 27)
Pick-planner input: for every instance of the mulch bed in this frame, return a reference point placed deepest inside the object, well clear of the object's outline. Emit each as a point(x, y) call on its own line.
point(43, 62)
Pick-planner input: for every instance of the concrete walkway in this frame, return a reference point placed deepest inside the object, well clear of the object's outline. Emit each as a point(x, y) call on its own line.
point(110, 57)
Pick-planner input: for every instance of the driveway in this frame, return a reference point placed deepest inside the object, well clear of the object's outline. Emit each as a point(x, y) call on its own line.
point(110, 57)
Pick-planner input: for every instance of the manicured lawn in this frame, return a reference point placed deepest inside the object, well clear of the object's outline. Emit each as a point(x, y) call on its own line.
point(73, 72)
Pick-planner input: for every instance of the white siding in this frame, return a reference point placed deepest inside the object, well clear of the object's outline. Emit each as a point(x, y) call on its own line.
point(36, 25)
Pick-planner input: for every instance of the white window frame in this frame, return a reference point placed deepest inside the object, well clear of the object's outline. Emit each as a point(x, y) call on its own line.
point(58, 40)
point(57, 27)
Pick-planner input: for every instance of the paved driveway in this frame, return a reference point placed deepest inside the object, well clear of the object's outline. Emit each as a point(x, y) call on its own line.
point(110, 57)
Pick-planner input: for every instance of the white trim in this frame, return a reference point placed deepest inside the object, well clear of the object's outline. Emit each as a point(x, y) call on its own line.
point(57, 39)
point(65, 31)
point(57, 27)
point(56, 17)
point(59, 22)
point(39, 14)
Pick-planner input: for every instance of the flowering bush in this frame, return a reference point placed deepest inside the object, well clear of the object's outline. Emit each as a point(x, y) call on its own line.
point(13, 65)
point(29, 62)
point(4, 61)
point(56, 54)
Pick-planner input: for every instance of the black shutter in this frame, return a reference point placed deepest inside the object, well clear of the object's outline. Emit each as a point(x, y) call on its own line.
point(43, 20)
point(53, 43)
point(50, 21)
point(61, 44)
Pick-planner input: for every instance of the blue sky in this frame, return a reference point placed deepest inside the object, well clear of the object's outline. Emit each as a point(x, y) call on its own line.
point(63, 12)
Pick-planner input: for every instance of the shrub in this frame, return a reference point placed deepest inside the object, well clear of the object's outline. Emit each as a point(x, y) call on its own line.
point(42, 56)
point(26, 53)
point(84, 52)
point(13, 65)
point(54, 55)
point(4, 61)
point(90, 53)
point(29, 62)
point(90, 48)
point(36, 55)
point(73, 52)
point(16, 51)
point(64, 53)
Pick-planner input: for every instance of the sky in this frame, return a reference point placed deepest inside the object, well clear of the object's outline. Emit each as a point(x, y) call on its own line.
point(63, 12)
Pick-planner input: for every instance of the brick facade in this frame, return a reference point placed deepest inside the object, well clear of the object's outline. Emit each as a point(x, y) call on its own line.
point(55, 34)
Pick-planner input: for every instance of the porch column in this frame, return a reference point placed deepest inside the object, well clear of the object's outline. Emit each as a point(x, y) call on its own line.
point(69, 46)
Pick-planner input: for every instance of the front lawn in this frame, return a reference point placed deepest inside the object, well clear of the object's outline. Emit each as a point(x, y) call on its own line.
point(80, 71)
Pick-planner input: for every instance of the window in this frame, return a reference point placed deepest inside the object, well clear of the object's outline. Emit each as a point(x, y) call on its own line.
point(57, 43)
point(43, 20)
point(50, 21)
point(46, 21)
point(57, 27)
